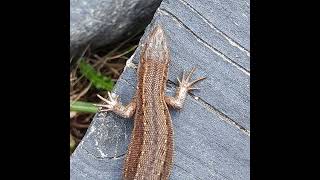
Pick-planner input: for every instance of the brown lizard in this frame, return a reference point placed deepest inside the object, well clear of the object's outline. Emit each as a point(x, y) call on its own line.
point(150, 153)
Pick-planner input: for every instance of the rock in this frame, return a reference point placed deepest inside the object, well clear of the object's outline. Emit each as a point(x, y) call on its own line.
point(212, 131)
point(103, 22)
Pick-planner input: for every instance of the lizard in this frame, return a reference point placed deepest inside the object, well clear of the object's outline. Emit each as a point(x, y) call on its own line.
point(150, 152)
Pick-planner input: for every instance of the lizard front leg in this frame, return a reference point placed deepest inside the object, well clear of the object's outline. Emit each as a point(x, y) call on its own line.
point(184, 86)
point(113, 104)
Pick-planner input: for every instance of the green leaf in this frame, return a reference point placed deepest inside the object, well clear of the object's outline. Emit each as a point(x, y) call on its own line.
point(72, 144)
point(96, 78)
point(80, 106)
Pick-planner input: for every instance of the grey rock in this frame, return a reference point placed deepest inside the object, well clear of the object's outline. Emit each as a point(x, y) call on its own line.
point(103, 22)
point(212, 131)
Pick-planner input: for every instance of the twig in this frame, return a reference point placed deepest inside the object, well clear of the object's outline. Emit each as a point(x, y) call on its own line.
point(83, 92)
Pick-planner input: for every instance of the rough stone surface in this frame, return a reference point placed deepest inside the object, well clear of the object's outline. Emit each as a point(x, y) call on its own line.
point(212, 131)
point(103, 22)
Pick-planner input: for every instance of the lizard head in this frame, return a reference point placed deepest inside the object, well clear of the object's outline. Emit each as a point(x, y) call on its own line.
point(155, 47)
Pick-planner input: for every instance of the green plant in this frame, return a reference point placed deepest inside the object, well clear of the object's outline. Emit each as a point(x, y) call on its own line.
point(96, 78)
point(80, 106)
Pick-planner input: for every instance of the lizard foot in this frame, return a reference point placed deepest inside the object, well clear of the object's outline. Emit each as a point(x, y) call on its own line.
point(185, 81)
point(111, 102)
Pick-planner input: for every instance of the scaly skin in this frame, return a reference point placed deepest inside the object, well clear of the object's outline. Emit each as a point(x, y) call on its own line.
point(150, 153)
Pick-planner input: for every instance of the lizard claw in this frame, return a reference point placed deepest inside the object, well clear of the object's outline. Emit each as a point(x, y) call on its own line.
point(111, 102)
point(185, 81)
